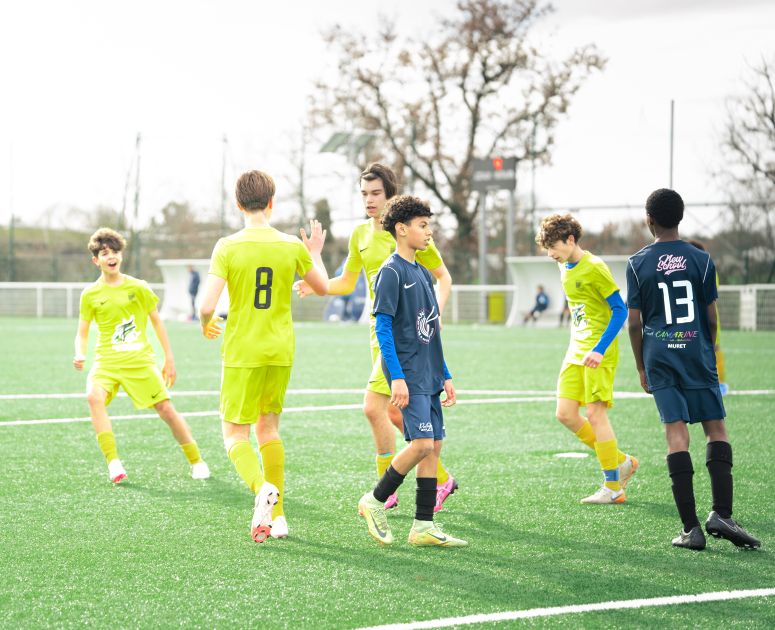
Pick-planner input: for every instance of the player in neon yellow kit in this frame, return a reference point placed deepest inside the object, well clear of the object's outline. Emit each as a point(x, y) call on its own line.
point(121, 306)
point(587, 373)
point(259, 264)
point(370, 246)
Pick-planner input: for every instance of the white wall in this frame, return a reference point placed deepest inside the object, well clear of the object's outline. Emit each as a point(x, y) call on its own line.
point(527, 272)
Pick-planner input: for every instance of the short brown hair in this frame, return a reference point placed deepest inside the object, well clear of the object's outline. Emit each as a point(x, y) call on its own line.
point(105, 237)
point(375, 170)
point(254, 190)
point(403, 209)
point(558, 227)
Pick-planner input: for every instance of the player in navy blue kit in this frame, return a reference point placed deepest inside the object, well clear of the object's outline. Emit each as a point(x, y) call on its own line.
point(671, 296)
point(407, 327)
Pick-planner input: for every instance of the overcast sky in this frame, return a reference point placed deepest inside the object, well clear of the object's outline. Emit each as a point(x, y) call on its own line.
point(81, 78)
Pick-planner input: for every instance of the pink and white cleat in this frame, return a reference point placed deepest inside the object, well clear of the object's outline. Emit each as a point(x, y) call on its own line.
point(261, 525)
point(392, 501)
point(116, 472)
point(443, 491)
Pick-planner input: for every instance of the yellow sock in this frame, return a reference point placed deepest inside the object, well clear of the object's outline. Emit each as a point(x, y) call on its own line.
point(383, 463)
point(107, 442)
point(441, 473)
point(587, 435)
point(245, 461)
point(191, 451)
point(273, 458)
point(607, 456)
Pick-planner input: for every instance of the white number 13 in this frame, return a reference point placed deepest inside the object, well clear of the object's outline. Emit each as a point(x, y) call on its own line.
point(688, 299)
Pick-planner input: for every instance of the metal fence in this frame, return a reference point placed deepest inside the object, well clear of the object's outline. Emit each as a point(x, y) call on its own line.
point(744, 307)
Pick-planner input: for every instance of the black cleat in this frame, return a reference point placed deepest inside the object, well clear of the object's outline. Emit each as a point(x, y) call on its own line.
point(731, 530)
point(693, 539)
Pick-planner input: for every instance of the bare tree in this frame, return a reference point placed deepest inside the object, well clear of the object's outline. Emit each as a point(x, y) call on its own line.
point(475, 87)
point(749, 149)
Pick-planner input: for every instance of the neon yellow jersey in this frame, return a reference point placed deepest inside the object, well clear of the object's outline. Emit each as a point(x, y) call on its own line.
point(587, 285)
point(121, 315)
point(259, 266)
point(369, 248)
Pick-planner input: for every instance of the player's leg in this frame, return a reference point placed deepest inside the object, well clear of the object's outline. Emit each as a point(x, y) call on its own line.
point(424, 531)
point(146, 388)
point(718, 460)
point(606, 451)
point(100, 390)
point(239, 408)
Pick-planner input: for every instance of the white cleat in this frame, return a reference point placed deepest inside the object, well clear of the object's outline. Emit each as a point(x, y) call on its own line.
point(279, 528)
point(261, 525)
point(627, 469)
point(116, 472)
point(200, 470)
point(605, 496)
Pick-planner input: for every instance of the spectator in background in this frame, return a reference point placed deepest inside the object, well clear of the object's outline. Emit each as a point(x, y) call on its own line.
point(565, 313)
point(542, 303)
point(193, 289)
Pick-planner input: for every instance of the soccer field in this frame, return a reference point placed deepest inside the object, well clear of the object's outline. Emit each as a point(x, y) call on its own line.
point(163, 550)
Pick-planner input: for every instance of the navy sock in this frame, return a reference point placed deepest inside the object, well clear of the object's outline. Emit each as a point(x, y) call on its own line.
point(426, 498)
point(388, 484)
point(718, 459)
point(679, 465)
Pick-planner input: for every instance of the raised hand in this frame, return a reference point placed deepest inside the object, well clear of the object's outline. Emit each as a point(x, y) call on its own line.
point(317, 237)
point(302, 289)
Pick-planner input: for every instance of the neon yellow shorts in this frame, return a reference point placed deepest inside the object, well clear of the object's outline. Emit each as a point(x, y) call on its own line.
point(377, 381)
point(247, 393)
point(586, 385)
point(144, 386)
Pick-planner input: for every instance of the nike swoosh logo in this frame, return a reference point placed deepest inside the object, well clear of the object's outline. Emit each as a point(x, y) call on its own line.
point(409, 286)
point(156, 394)
point(364, 249)
point(439, 538)
point(379, 531)
point(103, 302)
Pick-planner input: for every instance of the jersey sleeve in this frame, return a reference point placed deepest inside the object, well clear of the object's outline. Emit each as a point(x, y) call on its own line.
point(430, 258)
point(710, 283)
point(633, 289)
point(605, 281)
point(386, 287)
point(218, 264)
point(150, 299)
point(303, 261)
point(354, 261)
point(86, 309)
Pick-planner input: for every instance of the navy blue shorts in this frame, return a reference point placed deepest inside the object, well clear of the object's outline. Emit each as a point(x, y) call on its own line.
point(423, 417)
point(689, 405)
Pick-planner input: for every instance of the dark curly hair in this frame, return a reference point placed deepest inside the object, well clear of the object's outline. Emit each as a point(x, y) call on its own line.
point(558, 227)
point(403, 209)
point(105, 237)
point(666, 207)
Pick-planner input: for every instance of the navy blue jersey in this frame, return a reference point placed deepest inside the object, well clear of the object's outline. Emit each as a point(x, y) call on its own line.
point(405, 291)
point(672, 284)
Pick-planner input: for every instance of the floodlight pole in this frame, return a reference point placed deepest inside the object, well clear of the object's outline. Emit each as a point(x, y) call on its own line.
point(672, 125)
point(11, 221)
point(510, 225)
point(482, 206)
point(135, 231)
point(223, 186)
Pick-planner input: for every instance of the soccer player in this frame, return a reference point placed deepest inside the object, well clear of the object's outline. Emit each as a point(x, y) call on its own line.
point(671, 295)
point(587, 373)
point(720, 363)
point(408, 332)
point(258, 265)
point(370, 246)
point(121, 306)
point(541, 304)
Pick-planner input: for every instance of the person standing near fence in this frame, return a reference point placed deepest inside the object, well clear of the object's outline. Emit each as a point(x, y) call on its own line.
point(193, 289)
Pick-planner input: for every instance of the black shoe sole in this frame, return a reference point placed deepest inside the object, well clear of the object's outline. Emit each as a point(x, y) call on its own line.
point(735, 541)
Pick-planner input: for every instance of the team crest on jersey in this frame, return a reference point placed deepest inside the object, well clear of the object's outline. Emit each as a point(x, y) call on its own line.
point(425, 329)
point(668, 264)
point(126, 332)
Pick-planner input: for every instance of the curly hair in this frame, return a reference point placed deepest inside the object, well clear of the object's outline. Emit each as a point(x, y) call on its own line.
point(375, 170)
point(254, 190)
point(105, 237)
point(558, 227)
point(666, 207)
point(403, 209)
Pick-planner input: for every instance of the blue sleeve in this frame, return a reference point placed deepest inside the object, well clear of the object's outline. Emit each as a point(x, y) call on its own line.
point(387, 346)
point(447, 375)
point(618, 317)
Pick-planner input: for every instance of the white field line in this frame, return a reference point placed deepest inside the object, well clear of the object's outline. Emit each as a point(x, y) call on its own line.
point(311, 392)
point(579, 608)
point(308, 409)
